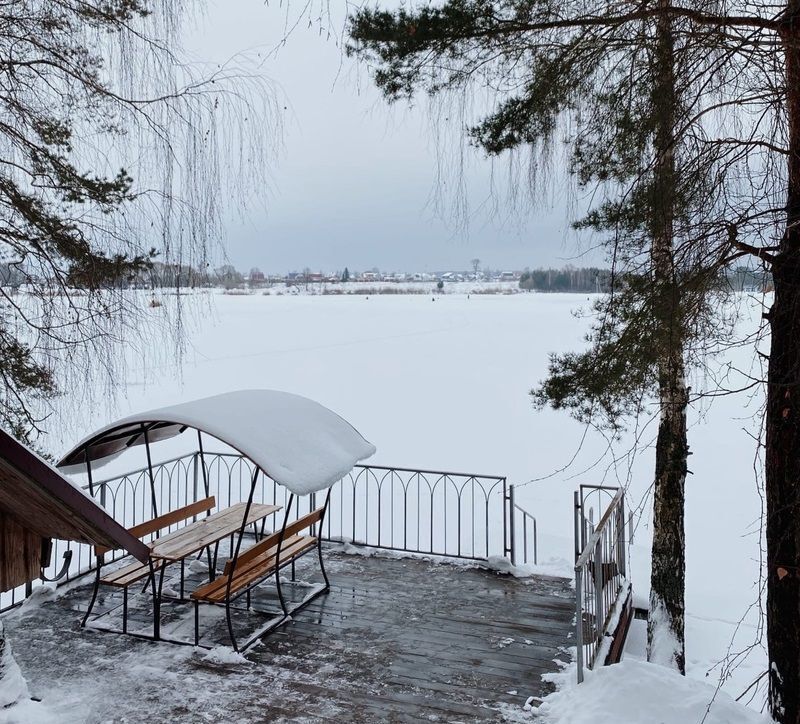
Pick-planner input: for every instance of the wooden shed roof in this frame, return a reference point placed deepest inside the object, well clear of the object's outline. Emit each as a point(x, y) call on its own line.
point(45, 502)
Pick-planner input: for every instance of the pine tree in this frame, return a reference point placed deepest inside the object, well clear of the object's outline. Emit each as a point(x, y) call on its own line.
point(618, 85)
point(739, 114)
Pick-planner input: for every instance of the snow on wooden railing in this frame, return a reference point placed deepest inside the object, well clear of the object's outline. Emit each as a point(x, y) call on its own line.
point(602, 588)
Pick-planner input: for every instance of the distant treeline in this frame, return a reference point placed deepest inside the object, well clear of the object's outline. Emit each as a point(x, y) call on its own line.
point(594, 279)
point(578, 280)
point(568, 279)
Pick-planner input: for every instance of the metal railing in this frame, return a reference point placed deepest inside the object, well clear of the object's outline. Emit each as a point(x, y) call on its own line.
point(456, 515)
point(601, 583)
point(530, 537)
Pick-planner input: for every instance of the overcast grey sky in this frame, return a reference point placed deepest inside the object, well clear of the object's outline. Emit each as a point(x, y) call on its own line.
point(354, 183)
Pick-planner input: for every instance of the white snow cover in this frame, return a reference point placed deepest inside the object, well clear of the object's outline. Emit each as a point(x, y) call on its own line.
point(296, 441)
point(634, 692)
point(444, 387)
point(13, 686)
point(664, 648)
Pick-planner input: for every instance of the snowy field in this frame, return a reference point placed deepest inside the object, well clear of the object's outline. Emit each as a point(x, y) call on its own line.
point(443, 384)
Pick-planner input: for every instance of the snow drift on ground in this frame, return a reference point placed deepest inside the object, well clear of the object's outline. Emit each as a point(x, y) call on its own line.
point(635, 692)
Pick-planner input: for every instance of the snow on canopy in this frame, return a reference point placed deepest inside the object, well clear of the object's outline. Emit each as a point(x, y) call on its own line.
point(297, 442)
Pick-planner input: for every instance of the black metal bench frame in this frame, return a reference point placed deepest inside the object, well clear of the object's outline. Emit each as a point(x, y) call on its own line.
point(281, 617)
point(153, 567)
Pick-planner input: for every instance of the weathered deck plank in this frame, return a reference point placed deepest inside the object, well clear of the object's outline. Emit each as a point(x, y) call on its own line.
point(395, 640)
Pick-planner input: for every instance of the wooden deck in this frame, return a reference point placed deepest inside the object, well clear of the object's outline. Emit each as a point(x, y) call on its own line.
point(394, 640)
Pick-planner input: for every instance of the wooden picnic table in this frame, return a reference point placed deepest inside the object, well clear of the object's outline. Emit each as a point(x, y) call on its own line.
point(206, 532)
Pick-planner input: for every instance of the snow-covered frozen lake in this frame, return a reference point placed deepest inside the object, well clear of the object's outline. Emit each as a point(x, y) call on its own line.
point(443, 384)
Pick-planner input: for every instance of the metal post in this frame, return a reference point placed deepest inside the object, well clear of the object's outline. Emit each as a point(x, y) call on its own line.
point(579, 621)
point(194, 479)
point(89, 470)
point(150, 473)
point(577, 525)
point(506, 548)
point(599, 616)
point(203, 462)
point(621, 557)
point(511, 505)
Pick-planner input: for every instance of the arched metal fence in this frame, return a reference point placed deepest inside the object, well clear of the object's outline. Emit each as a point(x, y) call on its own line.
point(455, 515)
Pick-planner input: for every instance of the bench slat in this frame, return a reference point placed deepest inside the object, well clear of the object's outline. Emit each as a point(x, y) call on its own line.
point(166, 520)
point(123, 577)
point(263, 565)
point(208, 531)
point(259, 567)
point(174, 516)
point(271, 541)
point(244, 564)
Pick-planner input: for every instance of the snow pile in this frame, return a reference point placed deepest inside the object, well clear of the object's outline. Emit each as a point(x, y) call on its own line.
point(16, 705)
point(13, 687)
point(664, 648)
point(225, 655)
point(297, 442)
point(557, 567)
point(634, 692)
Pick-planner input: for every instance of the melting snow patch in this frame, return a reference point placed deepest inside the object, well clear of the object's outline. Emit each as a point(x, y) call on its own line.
point(225, 655)
point(556, 567)
point(529, 703)
point(199, 565)
point(503, 642)
point(13, 687)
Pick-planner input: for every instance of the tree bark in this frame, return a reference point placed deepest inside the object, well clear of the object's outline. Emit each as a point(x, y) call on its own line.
point(665, 626)
point(782, 455)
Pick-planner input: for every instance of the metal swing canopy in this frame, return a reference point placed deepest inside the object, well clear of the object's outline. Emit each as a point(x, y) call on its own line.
point(297, 442)
point(38, 504)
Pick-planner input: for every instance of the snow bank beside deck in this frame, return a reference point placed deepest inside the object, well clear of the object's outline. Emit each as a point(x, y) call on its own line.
point(635, 692)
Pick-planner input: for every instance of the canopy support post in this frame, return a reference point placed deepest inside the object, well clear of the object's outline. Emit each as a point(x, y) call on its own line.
point(203, 461)
point(235, 557)
point(150, 470)
point(278, 555)
point(89, 470)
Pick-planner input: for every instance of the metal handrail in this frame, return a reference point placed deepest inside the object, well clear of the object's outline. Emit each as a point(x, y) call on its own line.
point(497, 478)
point(598, 531)
point(526, 516)
point(600, 577)
point(513, 507)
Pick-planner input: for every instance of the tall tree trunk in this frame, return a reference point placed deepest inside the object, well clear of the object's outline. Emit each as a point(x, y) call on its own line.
point(665, 626)
point(782, 457)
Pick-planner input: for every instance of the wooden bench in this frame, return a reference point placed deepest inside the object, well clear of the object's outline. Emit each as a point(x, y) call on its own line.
point(134, 572)
point(245, 570)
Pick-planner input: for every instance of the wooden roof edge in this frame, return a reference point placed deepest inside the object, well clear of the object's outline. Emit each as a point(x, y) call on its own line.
point(63, 492)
